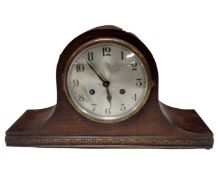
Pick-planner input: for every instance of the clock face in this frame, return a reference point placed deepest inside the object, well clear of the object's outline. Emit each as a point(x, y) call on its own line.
point(108, 80)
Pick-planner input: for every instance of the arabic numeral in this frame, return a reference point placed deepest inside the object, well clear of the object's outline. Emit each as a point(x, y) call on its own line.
point(134, 65)
point(94, 107)
point(107, 111)
point(106, 51)
point(81, 97)
point(139, 82)
point(134, 97)
point(122, 108)
point(90, 56)
point(80, 68)
point(122, 55)
point(75, 83)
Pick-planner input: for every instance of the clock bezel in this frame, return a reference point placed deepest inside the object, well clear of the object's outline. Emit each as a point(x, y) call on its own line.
point(110, 40)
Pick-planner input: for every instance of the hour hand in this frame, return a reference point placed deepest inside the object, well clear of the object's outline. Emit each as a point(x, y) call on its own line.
point(109, 96)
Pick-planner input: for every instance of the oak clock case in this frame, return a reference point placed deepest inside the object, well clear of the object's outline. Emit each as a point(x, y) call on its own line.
point(107, 96)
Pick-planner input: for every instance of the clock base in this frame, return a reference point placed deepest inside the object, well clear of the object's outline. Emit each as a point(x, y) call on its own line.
point(33, 129)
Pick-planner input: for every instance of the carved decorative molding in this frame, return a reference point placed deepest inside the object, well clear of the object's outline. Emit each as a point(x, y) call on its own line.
point(119, 141)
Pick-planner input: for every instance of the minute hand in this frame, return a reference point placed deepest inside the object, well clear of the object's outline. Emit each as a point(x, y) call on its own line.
point(97, 73)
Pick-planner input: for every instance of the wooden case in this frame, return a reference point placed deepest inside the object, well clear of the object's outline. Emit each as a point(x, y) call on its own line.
point(154, 126)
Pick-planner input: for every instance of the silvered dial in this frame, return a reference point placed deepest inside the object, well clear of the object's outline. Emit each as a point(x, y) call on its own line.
point(108, 81)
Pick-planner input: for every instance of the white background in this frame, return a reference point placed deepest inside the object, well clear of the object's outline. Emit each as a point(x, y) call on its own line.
point(183, 37)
